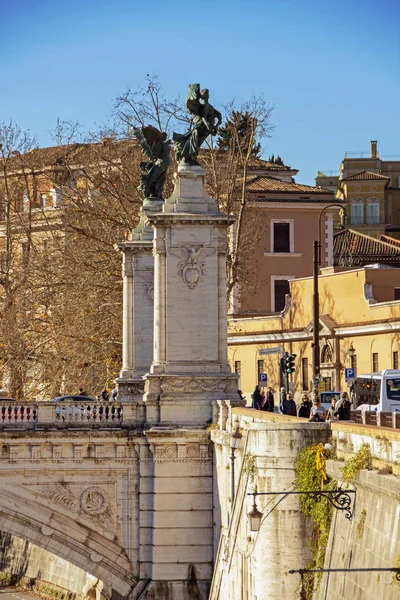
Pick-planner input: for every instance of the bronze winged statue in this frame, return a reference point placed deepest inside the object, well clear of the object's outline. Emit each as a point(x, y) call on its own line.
point(155, 145)
point(204, 122)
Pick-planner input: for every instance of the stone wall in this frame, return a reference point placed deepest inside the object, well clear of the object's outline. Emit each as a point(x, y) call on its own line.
point(254, 565)
point(371, 539)
point(21, 558)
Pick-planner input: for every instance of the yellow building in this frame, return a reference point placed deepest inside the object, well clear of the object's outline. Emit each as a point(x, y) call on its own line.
point(357, 309)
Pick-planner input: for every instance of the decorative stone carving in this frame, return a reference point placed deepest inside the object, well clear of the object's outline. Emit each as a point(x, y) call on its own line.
point(46, 530)
point(94, 557)
point(93, 501)
point(136, 389)
point(191, 264)
point(181, 384)
point(192, 451)
point(150, 292)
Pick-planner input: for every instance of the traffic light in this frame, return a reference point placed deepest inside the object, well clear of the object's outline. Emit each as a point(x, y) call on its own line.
point(289, 362)
point(283, 364)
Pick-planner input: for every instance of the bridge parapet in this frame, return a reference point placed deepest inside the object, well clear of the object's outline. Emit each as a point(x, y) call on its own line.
point(383, 442)
point(64, 415)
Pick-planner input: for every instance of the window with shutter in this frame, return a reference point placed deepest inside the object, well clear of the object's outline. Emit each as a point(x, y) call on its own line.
point(281, 237)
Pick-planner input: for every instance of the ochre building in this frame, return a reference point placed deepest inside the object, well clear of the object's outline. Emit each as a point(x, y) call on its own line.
point(357, 309)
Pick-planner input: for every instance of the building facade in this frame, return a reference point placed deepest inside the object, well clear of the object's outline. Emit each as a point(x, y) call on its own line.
point(370, 188)
point(286, 217)
point(358, 308)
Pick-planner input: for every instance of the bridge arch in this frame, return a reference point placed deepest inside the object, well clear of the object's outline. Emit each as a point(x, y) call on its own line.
point(93, 550)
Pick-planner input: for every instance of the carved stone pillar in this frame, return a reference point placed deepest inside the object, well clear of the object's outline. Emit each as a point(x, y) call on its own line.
point(190, 368)
point(138, 298)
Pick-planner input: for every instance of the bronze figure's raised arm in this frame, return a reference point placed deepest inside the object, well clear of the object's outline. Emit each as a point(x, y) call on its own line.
point(205, 121)
point(156, 146)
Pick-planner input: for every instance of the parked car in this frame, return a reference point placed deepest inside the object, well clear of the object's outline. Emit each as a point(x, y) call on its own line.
point(73, 399)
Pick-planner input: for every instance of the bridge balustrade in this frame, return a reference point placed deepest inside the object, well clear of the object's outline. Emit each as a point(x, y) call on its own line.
point(19, 413)
point(34, 415)
point(89, 413)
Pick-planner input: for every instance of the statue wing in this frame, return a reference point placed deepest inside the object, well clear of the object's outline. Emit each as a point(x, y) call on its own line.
point(203, 252)
point(192, 100)
point(180, 253)
point(138, 133)
point(149, 138)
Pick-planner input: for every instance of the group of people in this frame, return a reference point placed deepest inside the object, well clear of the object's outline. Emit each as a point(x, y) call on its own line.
point(263, 400)
point(311, 410)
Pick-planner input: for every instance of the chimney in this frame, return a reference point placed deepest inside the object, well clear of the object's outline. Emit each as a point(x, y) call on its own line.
point(374, 149)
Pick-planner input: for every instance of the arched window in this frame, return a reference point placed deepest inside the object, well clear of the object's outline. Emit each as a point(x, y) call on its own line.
point(372, 211)
point(327, 356)
point(356, 211)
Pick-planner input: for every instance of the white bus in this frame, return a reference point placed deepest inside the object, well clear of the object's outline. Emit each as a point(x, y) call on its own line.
point(378, 391)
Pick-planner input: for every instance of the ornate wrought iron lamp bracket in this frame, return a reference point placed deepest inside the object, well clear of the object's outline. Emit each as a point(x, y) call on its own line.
point(339, 499)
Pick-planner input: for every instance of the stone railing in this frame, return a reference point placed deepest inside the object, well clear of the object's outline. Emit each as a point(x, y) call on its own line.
point(39, 415)
point(372, 417)
point(383, 443)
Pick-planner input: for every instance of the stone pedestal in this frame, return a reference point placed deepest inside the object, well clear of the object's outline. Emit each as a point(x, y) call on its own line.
point(138, 298)
point(190, 369)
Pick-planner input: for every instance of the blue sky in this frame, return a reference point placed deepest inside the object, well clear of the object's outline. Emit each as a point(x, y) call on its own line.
point(330, 67)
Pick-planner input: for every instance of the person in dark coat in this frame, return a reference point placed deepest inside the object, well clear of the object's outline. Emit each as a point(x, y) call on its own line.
point(305, 407)
point(256, 398)
point(287, 405)
point(343, 407)
point(269, 401)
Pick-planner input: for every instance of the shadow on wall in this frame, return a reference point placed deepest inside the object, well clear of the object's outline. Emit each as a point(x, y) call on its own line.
point(12, 560)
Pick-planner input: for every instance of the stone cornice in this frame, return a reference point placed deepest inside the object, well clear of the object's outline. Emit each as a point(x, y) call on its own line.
point(168, 219)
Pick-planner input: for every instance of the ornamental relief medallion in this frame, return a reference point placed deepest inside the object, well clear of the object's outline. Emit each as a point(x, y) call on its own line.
point(92, 501)
point(192, 266)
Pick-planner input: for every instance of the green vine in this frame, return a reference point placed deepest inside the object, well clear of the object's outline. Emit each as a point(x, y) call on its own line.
point(249, 466)
point(361, 460)
point(310, 475)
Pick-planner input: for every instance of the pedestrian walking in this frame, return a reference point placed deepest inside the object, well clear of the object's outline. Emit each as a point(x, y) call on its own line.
point(343, 407)
point(256, 398)
point(287, 405)
point(269, 401)
point(114, 393)
point(318, 413)
point(305, 407)
point(331, 416)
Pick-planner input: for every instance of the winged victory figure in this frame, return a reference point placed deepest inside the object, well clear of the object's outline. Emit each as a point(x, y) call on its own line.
point(155, 145)
point(204, 122)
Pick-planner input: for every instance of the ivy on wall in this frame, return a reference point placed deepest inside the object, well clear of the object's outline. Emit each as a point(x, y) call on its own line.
point(311, 476)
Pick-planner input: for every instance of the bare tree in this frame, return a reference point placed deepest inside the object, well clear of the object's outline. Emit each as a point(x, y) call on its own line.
point(15, 253)
point(230, 167)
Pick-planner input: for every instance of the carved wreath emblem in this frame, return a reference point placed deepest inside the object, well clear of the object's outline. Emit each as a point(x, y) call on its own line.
point(191, 264)
point(93, 501)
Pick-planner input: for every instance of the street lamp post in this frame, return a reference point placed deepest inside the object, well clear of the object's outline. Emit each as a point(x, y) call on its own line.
point(316, 265)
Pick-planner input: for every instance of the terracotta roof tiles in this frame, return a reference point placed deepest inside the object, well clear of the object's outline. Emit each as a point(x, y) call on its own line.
point(272, 184)
point(365, 175)
point(363, 246)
